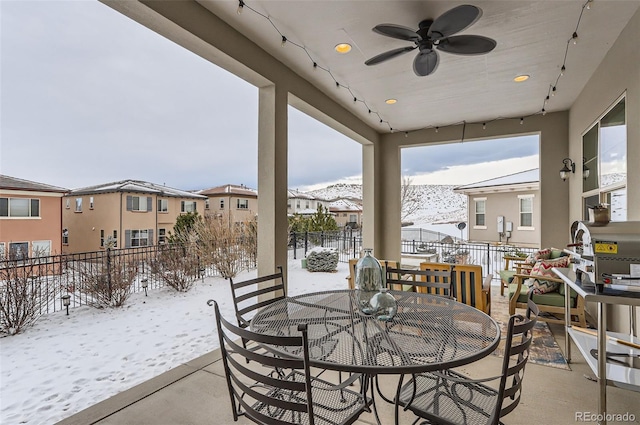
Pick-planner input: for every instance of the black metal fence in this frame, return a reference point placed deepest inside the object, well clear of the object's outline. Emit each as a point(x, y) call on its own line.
point(349, 245)
point(51, 277)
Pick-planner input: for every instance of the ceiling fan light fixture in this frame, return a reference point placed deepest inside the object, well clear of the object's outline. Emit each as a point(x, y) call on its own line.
point(343, 48)
point(521, 78)
point(391, 101)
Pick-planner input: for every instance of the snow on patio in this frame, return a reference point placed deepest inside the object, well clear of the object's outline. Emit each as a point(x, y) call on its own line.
point(65, 364)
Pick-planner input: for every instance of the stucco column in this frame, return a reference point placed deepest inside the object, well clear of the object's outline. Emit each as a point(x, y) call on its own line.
point(368, 196)
point(387, 178)
point(272, 180)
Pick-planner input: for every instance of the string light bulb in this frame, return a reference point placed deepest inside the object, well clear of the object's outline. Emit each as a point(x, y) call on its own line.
point(337, 85)
point(546, 99)
point(437, 128)
point(484, 125)
point(355, 100)
point(406, 134)
point(575, 37)
point(284, 41)
point(240, 7)
point(544, 111)
point(521, 120)
point(315, 66)
point(589, 4)
point(553, 91)
point(562, 70)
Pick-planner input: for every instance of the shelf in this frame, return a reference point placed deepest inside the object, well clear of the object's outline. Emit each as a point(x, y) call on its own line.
point(612, 294)
point(619, 375)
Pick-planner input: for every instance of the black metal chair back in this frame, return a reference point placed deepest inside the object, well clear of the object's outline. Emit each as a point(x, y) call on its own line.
point(276, 390)
point(245, 295)
point(516, 354)
point(428, 281)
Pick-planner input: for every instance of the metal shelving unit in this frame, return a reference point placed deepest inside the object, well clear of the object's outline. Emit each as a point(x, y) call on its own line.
point(617, 372)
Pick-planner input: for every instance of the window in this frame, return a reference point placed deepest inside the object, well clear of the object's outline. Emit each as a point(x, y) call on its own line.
point(243, 204)
point(115, 238)
point(102, 238)
point(221, 204)
point(353, 218)
point(480, 211)
point(307, 205)
point(18, 250)
point(41, 248)
point(526, 212)
point(2, 248)
point(298, 204)
point(78, 204)
point(163, 205)
point(162, 236)
point(604, 148)
point(187, 206)
point(91, 202)
point(65, 237)
point(139, 203)
point(19, 207)
point(68, 203)
point(135, 238)
point(206, 204)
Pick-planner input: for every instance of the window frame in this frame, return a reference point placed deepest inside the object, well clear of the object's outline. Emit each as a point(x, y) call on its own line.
point(521, 212)
point(242, 204)
point(30, 208)
point(163, 205)
point(482, 226)
point(78, 205)
point(45, 253)
point(139, 238)
point(184, 206)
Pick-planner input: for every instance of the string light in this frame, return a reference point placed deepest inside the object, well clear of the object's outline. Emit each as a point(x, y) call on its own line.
point(573, 40)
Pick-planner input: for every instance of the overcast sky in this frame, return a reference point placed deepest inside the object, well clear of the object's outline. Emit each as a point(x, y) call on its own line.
point(89, 96)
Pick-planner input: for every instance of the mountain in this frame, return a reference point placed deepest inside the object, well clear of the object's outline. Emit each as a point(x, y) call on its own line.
point(428, 203)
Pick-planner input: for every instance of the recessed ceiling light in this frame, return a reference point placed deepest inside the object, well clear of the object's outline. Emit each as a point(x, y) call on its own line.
point(343, 48)
point(390, 101)
point(521, 78)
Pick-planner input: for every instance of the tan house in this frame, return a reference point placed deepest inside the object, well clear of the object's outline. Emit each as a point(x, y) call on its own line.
point(303, 203)
point(505, 209)
point(30, 218)
point(347, 213)
point(131, 213)
point(238, 202)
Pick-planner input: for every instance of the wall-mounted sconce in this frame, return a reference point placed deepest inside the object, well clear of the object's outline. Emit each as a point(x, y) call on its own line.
point(564, 172)
point(585, 169)
point(66, 300)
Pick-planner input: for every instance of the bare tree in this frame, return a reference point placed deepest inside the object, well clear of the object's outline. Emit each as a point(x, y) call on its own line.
point(225, 244)
point(177, 264)
point(409, 200)
point(106, 281)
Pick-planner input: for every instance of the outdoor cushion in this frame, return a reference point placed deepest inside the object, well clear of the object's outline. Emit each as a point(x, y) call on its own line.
point(543, 268)
point(541, 254)
point(557, 253)
point(550, 298)
point(507, 275)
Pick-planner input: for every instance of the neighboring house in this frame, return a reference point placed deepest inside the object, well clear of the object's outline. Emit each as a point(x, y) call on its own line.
point(238, 202)
point(505, 209)
point(347, 213)
point(30, 218)
point(131, 213)
point(303, 203)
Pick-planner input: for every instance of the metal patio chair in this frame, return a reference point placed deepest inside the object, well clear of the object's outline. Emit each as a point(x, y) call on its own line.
point(449, 397)
point(292, 395)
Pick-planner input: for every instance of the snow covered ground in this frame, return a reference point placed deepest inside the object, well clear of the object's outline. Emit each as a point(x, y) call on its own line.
point(65, 364)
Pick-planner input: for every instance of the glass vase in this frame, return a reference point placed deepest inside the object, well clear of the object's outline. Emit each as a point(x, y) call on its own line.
point(368, 281)
point(384, 305)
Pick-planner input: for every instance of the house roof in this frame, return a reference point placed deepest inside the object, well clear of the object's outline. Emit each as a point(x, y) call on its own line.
point(344, 205)
point(135, 186)
point(522, 178)
point(14, 183)
point(230, 189)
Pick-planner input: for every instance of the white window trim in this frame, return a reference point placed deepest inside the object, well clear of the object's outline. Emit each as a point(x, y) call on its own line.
point(476, 227)
point(160, 210)
point(480, 227)
point(33, 248)
point(526, 228)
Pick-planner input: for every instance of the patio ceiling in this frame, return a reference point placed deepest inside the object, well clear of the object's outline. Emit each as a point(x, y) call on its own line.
point(532, 39)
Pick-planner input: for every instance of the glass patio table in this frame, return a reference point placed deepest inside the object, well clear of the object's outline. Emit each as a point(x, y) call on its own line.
point(428, 333)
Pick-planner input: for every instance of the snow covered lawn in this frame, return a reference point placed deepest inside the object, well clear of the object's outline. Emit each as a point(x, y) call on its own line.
point(65, 364)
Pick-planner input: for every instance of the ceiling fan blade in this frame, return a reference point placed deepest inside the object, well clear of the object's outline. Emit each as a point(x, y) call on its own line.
point(389, 55)
point(467, 45)
point(397, 31)
point(425, 62)
point(453, 21)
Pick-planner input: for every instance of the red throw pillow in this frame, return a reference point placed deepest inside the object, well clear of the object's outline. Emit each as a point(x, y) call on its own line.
point(543, 268)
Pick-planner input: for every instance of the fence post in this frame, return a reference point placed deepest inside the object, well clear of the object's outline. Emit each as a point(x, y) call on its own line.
point(322, 238)
point(489, 260)
point(306, 242)
point(109, 273)
point(295, 244)
point(414, 246)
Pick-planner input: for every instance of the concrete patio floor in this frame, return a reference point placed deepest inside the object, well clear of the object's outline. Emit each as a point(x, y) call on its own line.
point(196, 393)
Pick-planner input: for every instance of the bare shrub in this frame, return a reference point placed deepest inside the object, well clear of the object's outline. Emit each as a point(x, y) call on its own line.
point(226, 245)
point(106, 281)
point(176, 265)
point(21, 295)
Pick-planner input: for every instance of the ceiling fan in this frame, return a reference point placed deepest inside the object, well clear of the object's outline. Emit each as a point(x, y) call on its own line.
point(436, 34)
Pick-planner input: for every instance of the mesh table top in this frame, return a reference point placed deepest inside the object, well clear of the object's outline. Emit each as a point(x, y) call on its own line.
point(428, 332)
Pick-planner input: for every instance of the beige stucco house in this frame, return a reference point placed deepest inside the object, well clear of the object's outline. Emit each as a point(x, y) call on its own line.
point(303, 203)
point(30, 218)
point(347, 213)
point(238, 202)
point(131, 213)
point(505, 209)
